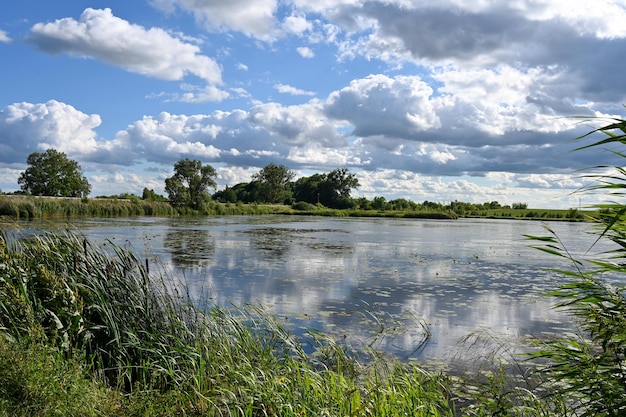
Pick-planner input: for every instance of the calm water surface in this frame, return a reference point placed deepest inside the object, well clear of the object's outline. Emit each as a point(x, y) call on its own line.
point(354, 277)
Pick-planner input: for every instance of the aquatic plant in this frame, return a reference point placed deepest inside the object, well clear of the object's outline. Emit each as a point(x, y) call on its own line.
point(588, 369)
point(144, 340)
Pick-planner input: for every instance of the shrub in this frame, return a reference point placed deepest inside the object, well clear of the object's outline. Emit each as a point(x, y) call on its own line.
point(303, 206)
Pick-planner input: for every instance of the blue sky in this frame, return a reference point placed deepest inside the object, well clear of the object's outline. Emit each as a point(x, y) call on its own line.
point(439, 101)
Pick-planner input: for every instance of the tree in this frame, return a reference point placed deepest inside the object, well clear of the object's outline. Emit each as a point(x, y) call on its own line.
point(188, 186)
point(150, 195)
point(332, 189)
point(275, 181)
point(336, 187)
point(52, 174)
point(227, 195)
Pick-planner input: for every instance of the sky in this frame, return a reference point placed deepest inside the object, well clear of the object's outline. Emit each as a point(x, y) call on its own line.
point(449, 100)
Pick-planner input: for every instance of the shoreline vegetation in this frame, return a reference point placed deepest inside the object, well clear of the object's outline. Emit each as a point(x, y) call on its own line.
point(93, 331)
point(18, 207)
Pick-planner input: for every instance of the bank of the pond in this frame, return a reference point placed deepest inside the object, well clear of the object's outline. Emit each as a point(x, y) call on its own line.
point(29, 207)
point(88, 333)
point(92, 332)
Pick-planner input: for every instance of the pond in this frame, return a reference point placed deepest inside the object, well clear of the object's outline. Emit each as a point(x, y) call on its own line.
point(411, 287)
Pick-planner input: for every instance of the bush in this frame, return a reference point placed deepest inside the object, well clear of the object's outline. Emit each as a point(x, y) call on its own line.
point(303, 206)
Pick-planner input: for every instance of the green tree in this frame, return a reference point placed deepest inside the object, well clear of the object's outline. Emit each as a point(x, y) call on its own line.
point(51, 173)
point(331, 190)
point(336, 188)
point(308, 188)
point(188, 186)
point(379, 203)
point(150, 195)
point(275, 181)
point(227, 195)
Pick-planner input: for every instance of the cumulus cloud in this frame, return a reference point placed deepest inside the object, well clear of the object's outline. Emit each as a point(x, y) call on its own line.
point(4, 37)
point(194, 94)
point(297, 24)
point(101, 35)
point(379, 105)
point(305, 52)
point(27, 128)
point(287, 89)
point(253, 18)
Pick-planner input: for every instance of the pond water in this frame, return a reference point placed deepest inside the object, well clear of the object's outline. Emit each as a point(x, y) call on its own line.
point(411, 287)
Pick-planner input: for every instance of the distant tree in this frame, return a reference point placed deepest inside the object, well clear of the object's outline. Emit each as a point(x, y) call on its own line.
point(51, 173)
point(150, 195)
point(379, 203)
point(227, 195)
point(188, 186)
point(336, 188)
point(520, 206)
point(275, 183)
point(308, 188)
point(402, 204)
point(331, 190)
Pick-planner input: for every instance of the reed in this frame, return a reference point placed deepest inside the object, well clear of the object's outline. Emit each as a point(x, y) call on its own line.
point(29, 208)
point(140, 333)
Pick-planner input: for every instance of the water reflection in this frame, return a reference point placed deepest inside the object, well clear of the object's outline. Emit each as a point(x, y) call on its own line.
point(356, 277)
point(190, 247)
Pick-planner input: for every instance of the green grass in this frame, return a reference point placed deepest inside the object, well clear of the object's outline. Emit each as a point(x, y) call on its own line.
point(29, 208)
point(80, 319)
point(534, 214)
point(95, 331)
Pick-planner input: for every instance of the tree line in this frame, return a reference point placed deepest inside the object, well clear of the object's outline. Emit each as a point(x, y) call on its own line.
point(52, 173)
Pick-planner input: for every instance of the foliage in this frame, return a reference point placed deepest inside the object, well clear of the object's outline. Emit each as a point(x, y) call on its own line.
point(76, 311)
point(588, 369)
point(52, 174)
point(188, 186)
point(150, 195)
point(36, 380)
point(331, 190)
point(274, 183)
point(29, 208)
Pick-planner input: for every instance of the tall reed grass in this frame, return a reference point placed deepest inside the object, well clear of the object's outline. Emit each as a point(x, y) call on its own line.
point(134, 330)
point(29, 208)
point(94, 331)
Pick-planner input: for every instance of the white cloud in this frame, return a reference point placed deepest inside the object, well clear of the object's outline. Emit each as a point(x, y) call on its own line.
point(296, 24)
point(253, 18)
point(601, 18)
point(4, 37)
point(305, 52)
point(287, 89)
point(504, 99)
point(317, 156)
point(101, 35)
point(549, 181)
point(195, 94)
point(169, 137)
point(379, 105)
point(27, 128)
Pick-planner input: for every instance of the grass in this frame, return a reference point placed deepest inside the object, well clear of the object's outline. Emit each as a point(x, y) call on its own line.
point(93, 331)
point(29, 208)
point(101, 334)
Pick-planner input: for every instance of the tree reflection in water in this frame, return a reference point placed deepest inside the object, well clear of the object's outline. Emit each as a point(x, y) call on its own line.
point(190, 248)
